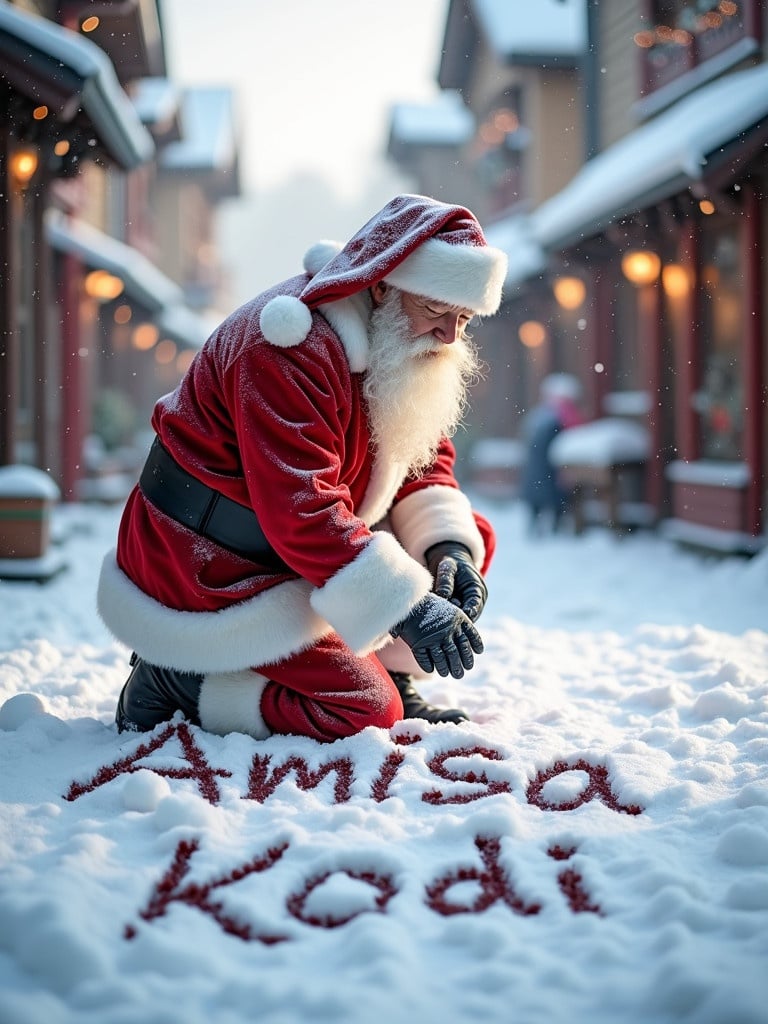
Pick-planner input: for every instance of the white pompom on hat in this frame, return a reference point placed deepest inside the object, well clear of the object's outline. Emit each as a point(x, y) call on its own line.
point(319, 254)
point(415, 243)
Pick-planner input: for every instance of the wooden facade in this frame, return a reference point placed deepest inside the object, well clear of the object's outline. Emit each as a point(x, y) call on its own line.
point(77, 362)
point(671, 165)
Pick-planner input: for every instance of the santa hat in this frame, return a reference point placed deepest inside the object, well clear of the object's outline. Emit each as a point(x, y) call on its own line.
point(417, 244)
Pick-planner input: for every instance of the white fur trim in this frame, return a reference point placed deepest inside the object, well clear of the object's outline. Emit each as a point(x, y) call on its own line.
point(469, 276)
point(285, 321)
point(231, 702)
point(259, 631)
point(435, 514)
point(366, 598)
point(384, 483)
point(319, 254)
point(349, 318)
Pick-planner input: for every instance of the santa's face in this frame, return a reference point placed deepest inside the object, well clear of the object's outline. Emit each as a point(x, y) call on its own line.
point(428, 318)
point(417, 379)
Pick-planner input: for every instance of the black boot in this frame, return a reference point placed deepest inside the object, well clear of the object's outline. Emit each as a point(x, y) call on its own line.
point(414, 705)
point(153, 695)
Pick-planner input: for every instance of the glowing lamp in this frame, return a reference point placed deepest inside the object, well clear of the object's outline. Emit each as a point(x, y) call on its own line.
point(144, 337)
point(23, 164)
point(640, 266)
point(165, 352)
point(570, 292)
point(532, 333)
point(123, 314)
point(102, 285)
point(674, 280)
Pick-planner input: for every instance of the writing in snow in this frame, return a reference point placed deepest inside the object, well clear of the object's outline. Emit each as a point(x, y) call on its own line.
point(264, 778)
point(446, 895)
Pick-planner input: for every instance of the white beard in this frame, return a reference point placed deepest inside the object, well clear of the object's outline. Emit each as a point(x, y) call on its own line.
point(416, 388)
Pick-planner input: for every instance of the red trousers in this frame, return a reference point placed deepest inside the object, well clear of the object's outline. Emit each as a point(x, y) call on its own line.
point(327, 692)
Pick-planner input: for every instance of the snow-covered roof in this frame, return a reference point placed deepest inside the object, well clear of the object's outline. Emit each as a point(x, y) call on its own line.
point(545, 28)
point(182, 325)
point(145, 283)
point(514, 236)
point(651, 163)
point(35, 51)
point(156, 100)
point(654, 161)
point(142, 279)
point(445, 122)
point(208, 132)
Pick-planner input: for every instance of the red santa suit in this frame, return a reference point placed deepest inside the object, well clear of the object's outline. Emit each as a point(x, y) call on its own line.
point(271, 414)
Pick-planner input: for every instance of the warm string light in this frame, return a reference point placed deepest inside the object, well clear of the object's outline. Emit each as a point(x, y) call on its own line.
point(570, 292)
point(532, 333)
point(123, 314)
point(144, 337)
point(640, 266)
point(23, 164)
point(165, 352)
point(683, 35)
point(102, 285)
point(496, 127)
point(675, 280)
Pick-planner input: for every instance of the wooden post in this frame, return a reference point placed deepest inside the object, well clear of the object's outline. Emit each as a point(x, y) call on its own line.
point(753, 369)
point(688, 367)
point(41, 276)
point(71, 371)
point(9, 333)
point(651, 344)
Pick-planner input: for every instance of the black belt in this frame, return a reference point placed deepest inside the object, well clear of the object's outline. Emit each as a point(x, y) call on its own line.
point(204, 510)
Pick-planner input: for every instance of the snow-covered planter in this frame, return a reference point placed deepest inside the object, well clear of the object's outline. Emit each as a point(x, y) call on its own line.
point(27, 496)
point(606, 442)
point(603, 461)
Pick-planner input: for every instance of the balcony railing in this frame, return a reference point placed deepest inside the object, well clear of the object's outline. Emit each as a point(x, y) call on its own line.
point(668, 52)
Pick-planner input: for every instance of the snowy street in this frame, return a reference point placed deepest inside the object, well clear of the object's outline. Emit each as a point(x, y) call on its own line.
point(593, 846)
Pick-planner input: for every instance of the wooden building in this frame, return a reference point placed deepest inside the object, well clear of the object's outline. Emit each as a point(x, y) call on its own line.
point(98, 313)
point(644, 273)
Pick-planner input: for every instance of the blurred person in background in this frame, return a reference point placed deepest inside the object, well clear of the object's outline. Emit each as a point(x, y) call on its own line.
point(540, 486)
point(297, 548)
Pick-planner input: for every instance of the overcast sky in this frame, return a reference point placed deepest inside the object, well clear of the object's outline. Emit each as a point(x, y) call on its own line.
point(315, 79)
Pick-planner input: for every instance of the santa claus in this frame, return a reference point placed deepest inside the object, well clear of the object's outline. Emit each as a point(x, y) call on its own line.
point(297, 547)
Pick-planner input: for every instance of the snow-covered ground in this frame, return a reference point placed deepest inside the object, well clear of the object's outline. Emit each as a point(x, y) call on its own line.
point(593, 847)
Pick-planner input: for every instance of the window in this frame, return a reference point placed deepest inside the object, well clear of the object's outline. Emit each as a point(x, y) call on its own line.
point(498, 150)
point(679, 35)
point(720, 398)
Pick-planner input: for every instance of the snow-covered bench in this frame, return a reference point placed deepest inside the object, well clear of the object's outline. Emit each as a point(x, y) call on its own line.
point(602, 463)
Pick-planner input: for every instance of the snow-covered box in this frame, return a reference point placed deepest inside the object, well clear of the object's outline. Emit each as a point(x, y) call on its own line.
point(27, 496)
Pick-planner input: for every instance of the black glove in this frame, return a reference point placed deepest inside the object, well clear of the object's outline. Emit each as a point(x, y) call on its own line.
point(440, 636)
point(457, 578)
